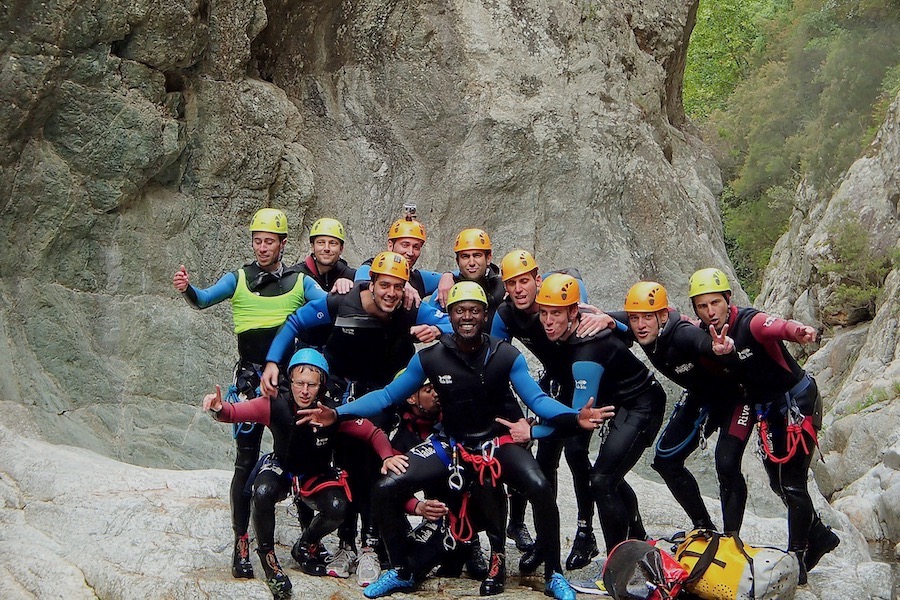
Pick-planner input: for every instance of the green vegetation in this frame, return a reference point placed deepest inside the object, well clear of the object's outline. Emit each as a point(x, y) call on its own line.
point(861, 271)
point(875, 396)
point(783, 91)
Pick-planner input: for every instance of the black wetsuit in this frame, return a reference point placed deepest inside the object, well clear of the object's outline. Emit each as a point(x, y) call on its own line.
point(317, 337)
point(557, 382)
point(777, 386)
point(604, 368)
point(474, 389)
point(304, 452)
point(683, 353)
point(253, 344)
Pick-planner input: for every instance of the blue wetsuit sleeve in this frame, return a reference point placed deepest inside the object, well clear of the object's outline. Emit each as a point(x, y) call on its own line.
point(221, 290)
point(428, 314)
point(498, 328)
point(395, 392)
point(541, 431)
point(587, 376)
point(312, 314)
point(362, 273)
point(621, 319)
point(532, 395)
point(312, 290)
point(430, 279)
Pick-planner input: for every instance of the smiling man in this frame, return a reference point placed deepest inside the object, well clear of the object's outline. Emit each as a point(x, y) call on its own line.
point(472, 373)
point(369, 335)
point(301, 450)
point(324, 263)
point(517, 317)
point(712, 400)
point(603, 367)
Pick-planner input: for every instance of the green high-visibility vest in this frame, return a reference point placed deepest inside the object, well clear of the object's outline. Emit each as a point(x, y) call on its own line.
point(252, 311)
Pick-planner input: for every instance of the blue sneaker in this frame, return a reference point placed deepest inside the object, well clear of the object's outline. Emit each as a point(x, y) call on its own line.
point(559, 588)
point(390, 582)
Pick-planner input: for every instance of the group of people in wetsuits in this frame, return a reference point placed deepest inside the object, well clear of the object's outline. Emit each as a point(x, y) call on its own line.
point(328, 363)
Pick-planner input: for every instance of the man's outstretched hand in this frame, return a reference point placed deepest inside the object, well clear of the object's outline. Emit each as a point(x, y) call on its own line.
point(592, 418)
point(318, 416)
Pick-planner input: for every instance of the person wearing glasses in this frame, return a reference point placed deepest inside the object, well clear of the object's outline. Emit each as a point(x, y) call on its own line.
point(303, 460)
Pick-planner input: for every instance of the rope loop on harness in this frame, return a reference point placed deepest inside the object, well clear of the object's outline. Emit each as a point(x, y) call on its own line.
point(317, 483)
point(796, 424)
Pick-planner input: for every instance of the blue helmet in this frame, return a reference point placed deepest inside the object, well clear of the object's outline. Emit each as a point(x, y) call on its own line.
point(308, 356)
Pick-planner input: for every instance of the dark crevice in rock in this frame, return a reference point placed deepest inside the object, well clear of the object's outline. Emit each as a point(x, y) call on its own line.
point(174, 81)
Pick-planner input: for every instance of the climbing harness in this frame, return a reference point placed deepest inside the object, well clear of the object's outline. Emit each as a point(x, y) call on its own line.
point(697, 429)
point(796, 424)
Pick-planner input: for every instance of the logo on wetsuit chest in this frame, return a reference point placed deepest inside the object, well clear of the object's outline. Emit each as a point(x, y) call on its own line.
point(423, 450)
point(581, 384)
point(745, 353)
point(347, 330)
point(321, 441)
point(445, 379)
point(683, 368)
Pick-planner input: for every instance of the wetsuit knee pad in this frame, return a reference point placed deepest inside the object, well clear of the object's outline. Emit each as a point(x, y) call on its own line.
point(603, 483)
point(667, 466)
point(266, 494)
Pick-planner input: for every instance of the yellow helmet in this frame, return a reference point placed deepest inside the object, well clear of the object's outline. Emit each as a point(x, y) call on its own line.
point(646, 297)
point(472, 239)
point(390, 263)
point(706, 281)
point(331, 227)
point(559, 289)
point(517, 263)
point(271, 220)
point(466, 290)
point(404, 228)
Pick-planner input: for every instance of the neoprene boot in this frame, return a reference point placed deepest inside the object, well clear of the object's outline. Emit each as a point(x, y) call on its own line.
point(822, 540)
point(495, 582)
point(310, 558)
point(531, 560)
point(276, 579)
point(241, 567)
point(518, 533)
point(584, 548)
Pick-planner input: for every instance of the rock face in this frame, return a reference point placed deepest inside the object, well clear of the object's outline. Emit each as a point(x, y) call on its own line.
point(142, 135)
point(858, 369)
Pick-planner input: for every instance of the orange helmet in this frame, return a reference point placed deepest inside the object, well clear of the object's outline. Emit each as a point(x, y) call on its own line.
point(403, 228)
point(646, 297)
point(516, 263)
point(390, 263)
point(559, 290)
point(472, 239)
